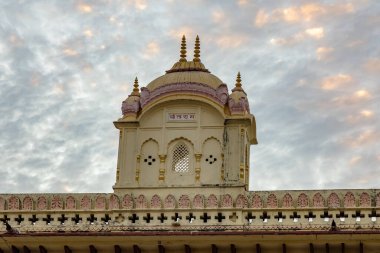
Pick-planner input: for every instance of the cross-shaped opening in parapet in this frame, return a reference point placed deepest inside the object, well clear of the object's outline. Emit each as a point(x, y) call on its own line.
point(265, 217)
point(233, 217)
point(19, 219)
point(205, 217)
point(220, 217)
point(120, 218)
point(92, 218)
point(310, 216)
point(5, 219)
point(342, 216)
point(76, 219)
point(48, 219)
point(106, 218)
point(373, 215)
point(190, 218)
point(33, 220)
point(280, 217)
point(176, 217)
point(326, 216)
point(62, 219)
point(133, 218)
point(162, 218)
point(148, 218)
point(357, 215)
point(250, 217)
point(295, 217)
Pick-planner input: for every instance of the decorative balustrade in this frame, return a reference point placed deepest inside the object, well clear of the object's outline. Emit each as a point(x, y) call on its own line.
point(277, 210)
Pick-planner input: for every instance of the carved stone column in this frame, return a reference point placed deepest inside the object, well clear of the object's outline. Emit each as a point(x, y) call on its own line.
point(222, 168)
point(161, 176)
point(242, 152)
point(197, 167)
point(137, 176)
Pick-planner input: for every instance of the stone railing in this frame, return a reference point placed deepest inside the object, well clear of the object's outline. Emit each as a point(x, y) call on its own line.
point(276, 210)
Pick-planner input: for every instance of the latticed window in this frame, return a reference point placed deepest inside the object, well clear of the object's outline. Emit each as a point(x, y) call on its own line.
point(181, 158)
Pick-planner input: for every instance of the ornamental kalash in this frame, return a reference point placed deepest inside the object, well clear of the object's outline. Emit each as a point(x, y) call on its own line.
point(181, 185)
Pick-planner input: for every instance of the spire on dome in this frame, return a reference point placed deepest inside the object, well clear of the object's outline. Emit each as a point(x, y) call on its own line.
point(136, 90)
point(197, 50)
point(184, 65)
point(183, 50)
point(238, 80)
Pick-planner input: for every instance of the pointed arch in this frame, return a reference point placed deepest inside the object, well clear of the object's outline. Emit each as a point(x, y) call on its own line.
point(149, 163)
point(241, 201)
point(184, 201)
point(211, 161)
point(318, 200)
point(56, 203)
point(212, 201)
point(114, 202)
point(333, 200)
point(128, 202)
point(287, 201)
point(256, 201)
point(272, 201)
point(27, 203)
point(141, 202)
point(227, 201)
point(365, 200)
point(349, 200)
point(303, 200)
point(170, 201)
point(198, 201)
point(156, 202)
point(70, 203)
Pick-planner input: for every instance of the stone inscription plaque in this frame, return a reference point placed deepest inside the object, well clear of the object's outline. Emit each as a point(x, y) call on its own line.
point(181, 117)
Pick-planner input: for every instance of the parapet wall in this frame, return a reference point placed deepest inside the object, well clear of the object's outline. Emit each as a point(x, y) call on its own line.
point(274, 210)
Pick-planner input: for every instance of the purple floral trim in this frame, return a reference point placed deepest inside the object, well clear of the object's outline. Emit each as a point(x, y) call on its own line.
point(220, 95)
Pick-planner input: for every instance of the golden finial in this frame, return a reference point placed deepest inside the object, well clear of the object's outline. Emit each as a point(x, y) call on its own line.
point(136, 86)
point(197, 50)
point(183, 50)
point(238, 81)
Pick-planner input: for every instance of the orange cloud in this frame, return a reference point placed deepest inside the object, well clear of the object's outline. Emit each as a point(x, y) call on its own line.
point(287, 41)
point(366, 113)
point(261, 18)
point(230, 41)
point(151, 50)
point(323, 53)
point(85, 8)
point(355, 160)
point(373, 65)
point(242, 2)
point(359, 117)
point(358, 96)
point(88, 33)
point(334, 82)
point(70, 52)
point(316, 32)
point(362, 94)
point(185, 30)
point(362, 139)
point(139, 4)
point(303, 13)
point(218, 16)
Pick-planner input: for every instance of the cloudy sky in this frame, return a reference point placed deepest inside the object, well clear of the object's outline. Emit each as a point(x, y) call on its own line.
point(311, 70)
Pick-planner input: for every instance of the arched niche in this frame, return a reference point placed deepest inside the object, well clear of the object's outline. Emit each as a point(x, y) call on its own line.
point(180, 162)
point(149, 163)
point(211, 161)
